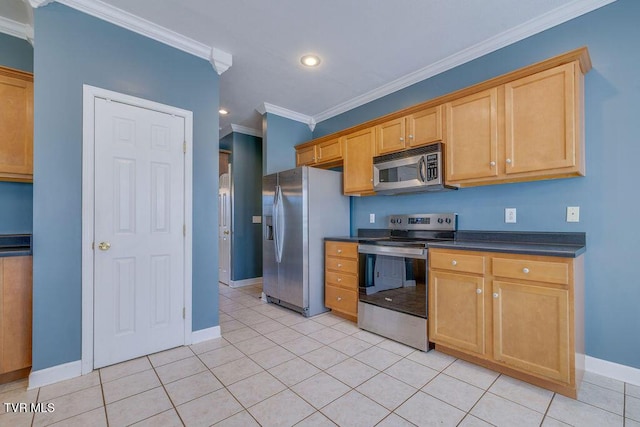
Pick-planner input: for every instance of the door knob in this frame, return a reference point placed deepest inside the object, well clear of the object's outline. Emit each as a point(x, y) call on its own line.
point(104, 246)
point(226, 232)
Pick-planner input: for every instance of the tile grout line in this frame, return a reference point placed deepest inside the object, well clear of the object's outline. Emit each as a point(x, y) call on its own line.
point(175, 408)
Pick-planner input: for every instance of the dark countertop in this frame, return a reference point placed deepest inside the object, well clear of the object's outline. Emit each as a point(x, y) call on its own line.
point(567, 245)
point(15, 245)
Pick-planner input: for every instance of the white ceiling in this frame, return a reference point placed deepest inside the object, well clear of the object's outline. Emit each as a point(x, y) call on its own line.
point(369, 48)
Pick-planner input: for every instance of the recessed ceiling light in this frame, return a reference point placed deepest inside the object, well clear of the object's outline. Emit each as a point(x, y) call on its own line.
point(310, 60)
point(223, 112)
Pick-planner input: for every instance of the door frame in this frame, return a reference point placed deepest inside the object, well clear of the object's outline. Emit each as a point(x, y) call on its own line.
point(89, 93)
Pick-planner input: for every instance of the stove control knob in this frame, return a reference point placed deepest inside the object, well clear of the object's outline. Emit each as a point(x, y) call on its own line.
point(399, 220)
point(440, 220)
point(448, 220)
point(393, 220)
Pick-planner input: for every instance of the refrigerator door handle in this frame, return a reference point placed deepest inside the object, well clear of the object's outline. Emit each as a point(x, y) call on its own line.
point(278, 224)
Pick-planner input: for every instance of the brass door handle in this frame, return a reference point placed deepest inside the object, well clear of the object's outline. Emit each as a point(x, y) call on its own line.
point(225, 232)
point(104, 246)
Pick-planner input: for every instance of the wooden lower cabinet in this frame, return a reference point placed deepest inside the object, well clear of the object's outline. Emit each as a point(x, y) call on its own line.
point(341, 278)
point(15, 317)
point(518, 314)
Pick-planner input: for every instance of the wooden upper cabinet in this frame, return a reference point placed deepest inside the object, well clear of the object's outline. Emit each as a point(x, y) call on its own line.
point(542, 121)
point(414, 130)
point(390, 136)
point(306, 156)
point(471, 142)
point(328, 151)
point(16, 125)
point(424, 127)
point(358, 161)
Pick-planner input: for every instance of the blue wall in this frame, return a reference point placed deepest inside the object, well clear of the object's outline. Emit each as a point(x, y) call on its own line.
point(246, 168)
point(75, 49)
point(16, 199)
point(280, 135)
point(607, 196)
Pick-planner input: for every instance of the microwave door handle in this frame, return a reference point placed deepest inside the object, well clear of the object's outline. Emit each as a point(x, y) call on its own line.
point(422, 169)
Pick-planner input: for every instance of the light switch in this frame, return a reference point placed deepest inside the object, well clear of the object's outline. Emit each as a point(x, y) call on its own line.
point(372, 218)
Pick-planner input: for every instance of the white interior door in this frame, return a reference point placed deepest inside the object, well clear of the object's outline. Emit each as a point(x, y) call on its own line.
point(224, 229)
point(139, 238)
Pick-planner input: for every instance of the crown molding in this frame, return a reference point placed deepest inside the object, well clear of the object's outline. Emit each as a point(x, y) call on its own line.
point(239, 129)
point(38, 3)
point(219, 59)
point(520, 32)
point(288, 114)
point(16, 29)
point(246, 130)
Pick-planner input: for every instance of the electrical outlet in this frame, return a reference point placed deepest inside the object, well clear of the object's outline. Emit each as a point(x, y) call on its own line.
point(372, 218)
point(256, 219)
point(573, 213)
point(510, 215)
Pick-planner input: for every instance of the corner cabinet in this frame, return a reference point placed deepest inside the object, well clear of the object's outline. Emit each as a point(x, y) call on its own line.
point(15, 317)
point(16, 125)
point(358, 161)
point(526, 129)
point(341, 278)
point(320, 154)
point(518, 314)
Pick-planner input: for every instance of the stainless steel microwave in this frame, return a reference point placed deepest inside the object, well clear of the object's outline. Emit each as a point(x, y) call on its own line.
point(418, 169)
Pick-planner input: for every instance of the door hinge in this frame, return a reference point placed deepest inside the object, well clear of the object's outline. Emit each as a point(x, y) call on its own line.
point(184, 146)
point(184, 229)
point(93, 246)
point(184, 313)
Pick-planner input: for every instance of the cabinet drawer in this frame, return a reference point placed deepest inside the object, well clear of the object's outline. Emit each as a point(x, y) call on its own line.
point(342, 249)
point(343, 280)
point(342, 264)
point(540, 271)
point(457, 262)
point(341, 299)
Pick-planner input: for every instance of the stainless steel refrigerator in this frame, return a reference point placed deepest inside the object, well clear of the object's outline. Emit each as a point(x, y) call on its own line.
point(300, 207)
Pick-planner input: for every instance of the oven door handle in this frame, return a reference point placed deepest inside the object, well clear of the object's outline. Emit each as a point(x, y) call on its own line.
point(393, 251)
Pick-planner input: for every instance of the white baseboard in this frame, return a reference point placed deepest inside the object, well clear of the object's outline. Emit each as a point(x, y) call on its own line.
point(54, 374)
point(205, 334)
point(245, 282)
point(616, 371)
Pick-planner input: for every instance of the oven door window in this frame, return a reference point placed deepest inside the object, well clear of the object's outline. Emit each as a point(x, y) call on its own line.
point(396, 283)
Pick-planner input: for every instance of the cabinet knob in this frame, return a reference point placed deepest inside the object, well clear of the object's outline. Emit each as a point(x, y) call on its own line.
point(478, 291)
point(339, 251)
point(410, 136)
point(492, 163)
point(508, 161)
point(339, 298)
point(454, 262)
point(339, 265)
point(495, 295)
point(401, 139)
point(525, 270)
point(339, 279)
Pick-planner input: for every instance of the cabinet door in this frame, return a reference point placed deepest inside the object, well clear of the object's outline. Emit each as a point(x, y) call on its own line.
point(16, 128)
point(15, 313)
point(358, 161)
point(329, 150)
point(306, 156)
point(425, 127)
point(472, 136)
point(456, 311)
point(531, 328)
point(541, 121)
point(390, 136)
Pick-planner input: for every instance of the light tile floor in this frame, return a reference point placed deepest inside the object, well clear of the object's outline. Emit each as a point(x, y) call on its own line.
point(273, 367)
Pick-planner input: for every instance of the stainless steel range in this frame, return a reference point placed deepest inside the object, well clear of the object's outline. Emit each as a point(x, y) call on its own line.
point(393, 277)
